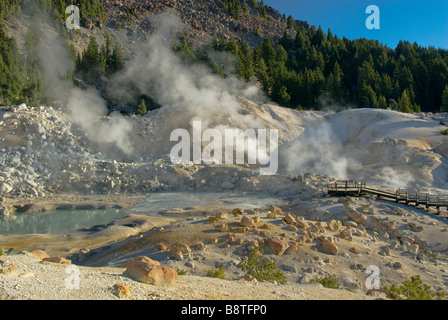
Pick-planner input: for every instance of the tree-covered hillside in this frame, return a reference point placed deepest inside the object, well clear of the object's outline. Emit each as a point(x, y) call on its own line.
point(315, 70)
point(312, 69)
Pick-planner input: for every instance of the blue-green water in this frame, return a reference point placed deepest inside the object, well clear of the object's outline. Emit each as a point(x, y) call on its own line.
point(64, 221)
point(57, 221)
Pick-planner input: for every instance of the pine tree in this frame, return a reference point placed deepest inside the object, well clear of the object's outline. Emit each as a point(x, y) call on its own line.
point(142, 109)
point(444, 107)
point(291, 23)
point(334, 83)
point(404, 103)
point(117, 59)
point(280, 54)
point(91, 62)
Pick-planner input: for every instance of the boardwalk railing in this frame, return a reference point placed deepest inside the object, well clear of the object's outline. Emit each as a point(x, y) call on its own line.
point(358, 188)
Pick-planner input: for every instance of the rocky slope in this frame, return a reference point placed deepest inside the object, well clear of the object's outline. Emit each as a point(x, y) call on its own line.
point(47, 160)
point(202, 20)
point(42, 153)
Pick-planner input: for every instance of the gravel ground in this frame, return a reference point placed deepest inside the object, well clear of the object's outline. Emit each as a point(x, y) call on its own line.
point(36, 280)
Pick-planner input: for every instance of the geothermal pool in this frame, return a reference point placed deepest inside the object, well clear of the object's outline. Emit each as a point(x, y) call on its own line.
point(64, 221)
point(57, 221)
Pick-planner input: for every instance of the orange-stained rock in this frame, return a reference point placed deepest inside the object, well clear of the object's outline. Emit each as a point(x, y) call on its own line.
point(328, 245)
point(57, 260)
point(40, 254)
point(278, 246)
point(122, 291)
point(144, 269)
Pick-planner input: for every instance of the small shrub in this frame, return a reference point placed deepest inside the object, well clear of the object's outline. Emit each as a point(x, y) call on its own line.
point(445, 132)
point(261, 268)
point(413, 289)
point(217, 273)
point(181, 272)
point(1, 251)
point(328, 282)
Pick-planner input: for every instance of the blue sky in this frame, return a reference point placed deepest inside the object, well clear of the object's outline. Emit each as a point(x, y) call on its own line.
point(421, 21)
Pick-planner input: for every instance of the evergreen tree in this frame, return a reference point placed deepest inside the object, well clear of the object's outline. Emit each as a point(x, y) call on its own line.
point(334, 83)
point(404, 103)
point(291, 23)
point(117, 59)
point(91, 62)
point(444, 107)
point(142, 109)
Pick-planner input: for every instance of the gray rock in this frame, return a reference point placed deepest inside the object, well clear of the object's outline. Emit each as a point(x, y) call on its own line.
point(4, 211)
point(288, 268)
point(5, 188)
point(351, 284)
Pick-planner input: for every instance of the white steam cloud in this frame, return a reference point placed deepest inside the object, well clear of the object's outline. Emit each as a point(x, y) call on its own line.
point(85, 108)
point(194, 90)
point(316, 150)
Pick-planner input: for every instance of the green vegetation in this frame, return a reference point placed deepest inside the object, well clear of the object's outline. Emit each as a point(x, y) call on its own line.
point(298, 72)
point(445, 132)
point(261, 268)
point(444, 107)
point(142, 109)
point(1, 251)
point(217, 273)
point(312, 70)
point(181, 272)
point(328, 282)
point(413, 289)
point(96, 62)
point(19, 76)
point(9, 8)
point(91, 11)
point(233, 7)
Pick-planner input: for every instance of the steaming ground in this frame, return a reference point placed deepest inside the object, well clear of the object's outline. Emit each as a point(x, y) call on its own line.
point(47, 161)
point(43, 153)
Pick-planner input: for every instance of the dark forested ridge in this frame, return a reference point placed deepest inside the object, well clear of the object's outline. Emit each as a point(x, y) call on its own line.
point(306, 68)
point(316, 70)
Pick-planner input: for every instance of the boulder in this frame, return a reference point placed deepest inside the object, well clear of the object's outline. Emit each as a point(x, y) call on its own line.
point(146, 270)
point(84, 253)
point(122, 291)
point(301, 222)
point(272, 215)
point(246, 221)
point(40, 254)
point(182, 247)
point(333, 225)
point(293, 247)
point(222, 215)
point(199, 246)
point(5, 188)
point(57, 260)
point(328, 245)
point(290, 219)
point(161, 247)
point(346, 234)
point(356, 216)
point(177, 255)
point(224, 227)
point(278, 246)
point(293, 228)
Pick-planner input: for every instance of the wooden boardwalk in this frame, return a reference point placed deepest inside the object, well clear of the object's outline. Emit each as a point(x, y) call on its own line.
point(412, 198)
